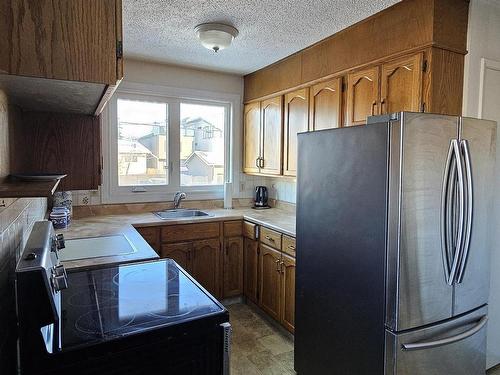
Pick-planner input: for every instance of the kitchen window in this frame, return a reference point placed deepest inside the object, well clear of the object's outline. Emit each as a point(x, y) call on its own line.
point(158, 145)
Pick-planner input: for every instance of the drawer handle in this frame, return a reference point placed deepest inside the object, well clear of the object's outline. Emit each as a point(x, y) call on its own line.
point(270, 238)
point(448, 340)
point(291, 247)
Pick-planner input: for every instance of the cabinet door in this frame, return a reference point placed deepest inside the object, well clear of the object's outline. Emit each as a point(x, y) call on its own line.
point(233, 267)
point(68, 40)
point(205, 264)
point(296, 121)
point(326, 105)
point(270, 281)
point(252, 136)
point(272, 135)
point(288, 292)
point(362, 95)
point(401, 85)
point(251, 265)
point(180, 252)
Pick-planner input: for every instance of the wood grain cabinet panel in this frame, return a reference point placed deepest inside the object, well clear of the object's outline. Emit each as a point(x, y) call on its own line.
point(58, 143)
point(270, 237)
point(296, 121)
point(205, 264)
point(151, 235)
point(188, 232)
point(180, 252)
point(362, 95)
point(401, 85)
point(288, 245)
point(288, 292)
point(233, 267)
point(67, 40)
point(232, 228)
point(251, 269)
point(270, 281)
point(272, 136)
point(252, 137)
point(326, 105)
point(249, 230)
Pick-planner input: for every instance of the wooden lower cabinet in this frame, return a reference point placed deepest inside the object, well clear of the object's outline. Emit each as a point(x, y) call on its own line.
point(233, 267)
point(205, 264)
point(180, 252)
point(288, 292)
point(270, 281)
point(251, 269)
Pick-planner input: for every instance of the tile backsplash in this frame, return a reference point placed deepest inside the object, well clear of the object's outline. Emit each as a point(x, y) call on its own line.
point(16, 222)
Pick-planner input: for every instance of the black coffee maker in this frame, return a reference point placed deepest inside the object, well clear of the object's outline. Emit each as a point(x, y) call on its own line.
point(261, 197)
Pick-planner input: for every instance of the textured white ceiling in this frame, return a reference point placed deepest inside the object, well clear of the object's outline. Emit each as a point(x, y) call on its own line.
point(269, 30)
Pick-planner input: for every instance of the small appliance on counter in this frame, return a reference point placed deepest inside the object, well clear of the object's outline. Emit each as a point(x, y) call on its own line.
point(141, 318)
point(261, 197)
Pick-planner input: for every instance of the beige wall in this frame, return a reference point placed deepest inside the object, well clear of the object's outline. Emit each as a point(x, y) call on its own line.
point(181, 77)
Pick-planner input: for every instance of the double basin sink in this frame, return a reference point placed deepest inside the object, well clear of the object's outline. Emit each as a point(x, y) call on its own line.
point(180, 214)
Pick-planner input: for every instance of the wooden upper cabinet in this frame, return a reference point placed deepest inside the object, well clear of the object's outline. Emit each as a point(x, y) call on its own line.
point(296, 121)
point(75, 40)
point(326, 105)
point(401, 85)
point(272, 136)
point(252, 137)
point(362, 95)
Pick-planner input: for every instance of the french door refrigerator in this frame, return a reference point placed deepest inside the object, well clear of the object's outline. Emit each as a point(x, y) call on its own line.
point(393, 224)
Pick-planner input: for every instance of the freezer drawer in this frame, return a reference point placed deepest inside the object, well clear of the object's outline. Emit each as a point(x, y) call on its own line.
point(456, 347)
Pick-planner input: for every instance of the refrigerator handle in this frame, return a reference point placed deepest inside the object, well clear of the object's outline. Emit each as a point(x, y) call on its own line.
point(445, 225)
point(448, 340)
point(461, 210)
point(468, 214)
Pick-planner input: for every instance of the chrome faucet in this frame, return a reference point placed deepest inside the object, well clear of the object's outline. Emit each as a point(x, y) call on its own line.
point(177, 199)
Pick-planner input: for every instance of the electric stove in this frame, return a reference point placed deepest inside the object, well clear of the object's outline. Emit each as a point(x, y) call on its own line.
point(137, 318)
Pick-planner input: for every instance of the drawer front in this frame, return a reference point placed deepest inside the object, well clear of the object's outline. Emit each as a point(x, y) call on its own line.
point(288, 245)
point(233, 228)
point(188, 232)
point(249, 230)
point(270, 238)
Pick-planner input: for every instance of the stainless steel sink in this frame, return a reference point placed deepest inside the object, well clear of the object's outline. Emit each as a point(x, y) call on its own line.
point(179, 214)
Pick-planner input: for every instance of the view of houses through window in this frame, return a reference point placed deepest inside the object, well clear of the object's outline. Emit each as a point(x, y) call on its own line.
point(202, 144)
point(143, 143)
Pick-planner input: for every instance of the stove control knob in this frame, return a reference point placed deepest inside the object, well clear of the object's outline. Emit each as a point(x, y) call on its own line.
point(59, 270)
point(59, 278)
point(59, 282)
point(60, 241)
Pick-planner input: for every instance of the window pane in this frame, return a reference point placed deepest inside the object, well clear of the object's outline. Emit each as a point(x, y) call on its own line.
point(142, 143)
point(202, 144)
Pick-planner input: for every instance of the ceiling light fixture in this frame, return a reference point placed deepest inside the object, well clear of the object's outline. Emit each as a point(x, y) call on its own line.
point(215, 36)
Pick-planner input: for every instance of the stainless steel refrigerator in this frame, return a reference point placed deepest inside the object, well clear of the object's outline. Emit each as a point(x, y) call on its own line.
point(393, 229)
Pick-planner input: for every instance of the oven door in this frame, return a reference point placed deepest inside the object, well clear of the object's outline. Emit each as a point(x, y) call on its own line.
point(457, 346)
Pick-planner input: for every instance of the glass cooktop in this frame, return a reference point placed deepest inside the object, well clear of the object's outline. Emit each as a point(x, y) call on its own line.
point(107, 303)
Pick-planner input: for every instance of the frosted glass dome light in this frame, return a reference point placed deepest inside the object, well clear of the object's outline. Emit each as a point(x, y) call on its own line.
point(215, 36)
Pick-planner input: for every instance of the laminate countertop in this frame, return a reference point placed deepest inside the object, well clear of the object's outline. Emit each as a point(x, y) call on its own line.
point(125, 224)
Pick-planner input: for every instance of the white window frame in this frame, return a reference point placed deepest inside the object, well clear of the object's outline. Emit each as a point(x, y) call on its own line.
point(112, 193)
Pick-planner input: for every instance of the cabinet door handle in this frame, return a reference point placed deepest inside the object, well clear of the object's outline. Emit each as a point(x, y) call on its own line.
point(270, 238)
point(382, 102)
point(261, 164)
point(277, 265)
point(281, 266)
point(373, 107)
point(257, 162)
